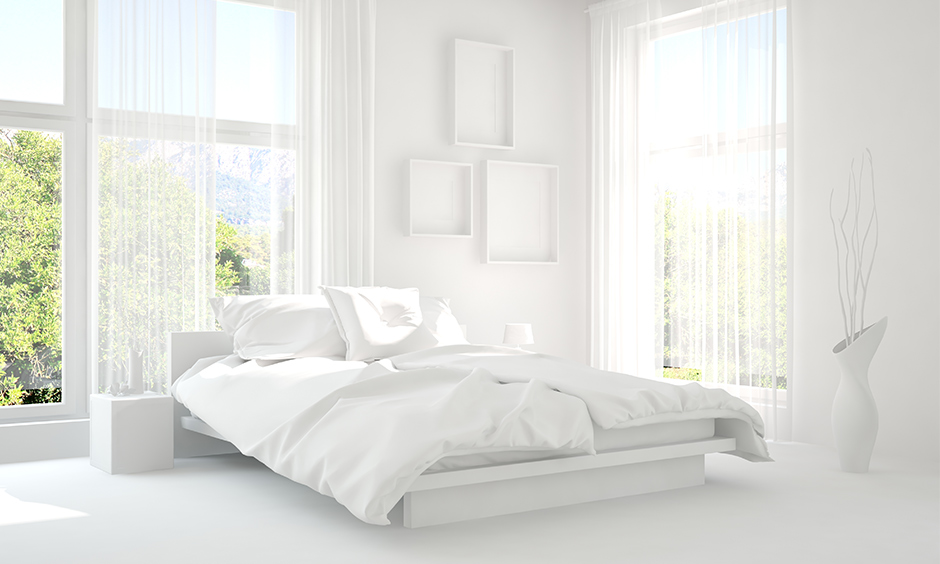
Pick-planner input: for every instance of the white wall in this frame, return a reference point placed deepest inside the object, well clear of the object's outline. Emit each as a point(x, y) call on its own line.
point(414, 38)
point(867, 74)
point(43, 440)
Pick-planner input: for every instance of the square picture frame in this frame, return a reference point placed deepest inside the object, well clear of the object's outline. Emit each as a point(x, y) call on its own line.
point(440, 199)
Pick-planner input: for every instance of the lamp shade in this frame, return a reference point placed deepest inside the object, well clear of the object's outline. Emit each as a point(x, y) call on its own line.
point(518, 334)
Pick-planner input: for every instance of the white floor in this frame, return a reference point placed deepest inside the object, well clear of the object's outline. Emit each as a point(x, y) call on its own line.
point(232, 509)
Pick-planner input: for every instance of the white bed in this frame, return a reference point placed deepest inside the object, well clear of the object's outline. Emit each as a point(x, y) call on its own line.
point(660, 453)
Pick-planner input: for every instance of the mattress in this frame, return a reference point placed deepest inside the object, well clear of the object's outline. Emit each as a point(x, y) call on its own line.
point(605, 440)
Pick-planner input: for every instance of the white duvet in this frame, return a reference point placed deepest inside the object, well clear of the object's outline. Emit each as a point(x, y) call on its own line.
point(363, 433)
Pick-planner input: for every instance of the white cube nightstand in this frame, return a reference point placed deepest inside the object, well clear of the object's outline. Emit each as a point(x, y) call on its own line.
point(131, 433)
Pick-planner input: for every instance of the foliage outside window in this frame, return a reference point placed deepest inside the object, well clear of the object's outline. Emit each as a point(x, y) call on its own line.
point(30, 267)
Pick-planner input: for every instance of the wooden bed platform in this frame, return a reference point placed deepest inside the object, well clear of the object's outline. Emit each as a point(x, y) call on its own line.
point(460, 495)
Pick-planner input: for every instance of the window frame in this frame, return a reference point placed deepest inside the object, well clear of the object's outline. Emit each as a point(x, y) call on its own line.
point(776, 134)
point(71, 120)
point(114, 123)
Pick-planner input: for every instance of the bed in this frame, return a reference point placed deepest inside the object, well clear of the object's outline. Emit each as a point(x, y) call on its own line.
point(454, 431)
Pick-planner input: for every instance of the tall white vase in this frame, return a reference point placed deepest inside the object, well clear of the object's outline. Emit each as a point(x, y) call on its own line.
point(854, 414)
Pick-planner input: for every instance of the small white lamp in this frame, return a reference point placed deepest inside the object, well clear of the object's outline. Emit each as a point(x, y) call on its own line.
point(518, 334)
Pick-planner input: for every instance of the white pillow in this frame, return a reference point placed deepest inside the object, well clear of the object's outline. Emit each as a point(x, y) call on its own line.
point(379, 322)
point(373, 320)
point(440, 321)
point(279, 327)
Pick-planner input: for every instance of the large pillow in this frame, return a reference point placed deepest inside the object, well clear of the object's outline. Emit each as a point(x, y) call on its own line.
point(378, 322)
point(440, 322)
point(279, 327)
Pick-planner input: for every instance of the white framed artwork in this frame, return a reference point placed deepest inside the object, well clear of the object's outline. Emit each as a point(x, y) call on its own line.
point(440, 199)
point(521, 203)
point(483, 87)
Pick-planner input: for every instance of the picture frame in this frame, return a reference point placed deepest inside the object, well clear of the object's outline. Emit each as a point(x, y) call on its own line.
point(440, 199)
point(483, 95)
point(521, 213)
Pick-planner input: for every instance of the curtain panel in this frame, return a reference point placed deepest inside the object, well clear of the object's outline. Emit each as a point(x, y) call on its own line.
point(336, 143)
point(233, 156)
point(688, 194)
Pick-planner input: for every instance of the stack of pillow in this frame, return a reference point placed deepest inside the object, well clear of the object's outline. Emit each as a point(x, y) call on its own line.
point(352, 323)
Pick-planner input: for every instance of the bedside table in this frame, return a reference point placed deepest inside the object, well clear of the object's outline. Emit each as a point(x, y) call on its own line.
point(131, 433)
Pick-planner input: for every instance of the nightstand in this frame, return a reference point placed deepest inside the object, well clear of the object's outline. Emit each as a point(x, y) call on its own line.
point(131, 433)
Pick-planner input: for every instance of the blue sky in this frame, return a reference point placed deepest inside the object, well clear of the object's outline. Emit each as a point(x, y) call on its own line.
point(33, 31)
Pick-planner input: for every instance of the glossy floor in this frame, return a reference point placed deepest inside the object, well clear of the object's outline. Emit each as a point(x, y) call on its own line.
point(231, 509)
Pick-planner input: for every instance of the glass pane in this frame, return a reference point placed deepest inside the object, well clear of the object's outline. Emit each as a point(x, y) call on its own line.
point(255, 58)
point(721, 180)
point(156, 56)
point(255, 222)
point(717, 247)
point(678, 82)
point(165, 248)
point(30, 267)
point(155, 254)
point(33, 73)
point(710, 80)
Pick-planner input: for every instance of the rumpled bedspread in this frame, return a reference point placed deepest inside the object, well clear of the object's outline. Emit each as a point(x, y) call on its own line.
point(363, 433)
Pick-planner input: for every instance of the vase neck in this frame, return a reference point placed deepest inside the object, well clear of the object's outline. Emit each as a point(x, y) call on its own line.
point(857, 356)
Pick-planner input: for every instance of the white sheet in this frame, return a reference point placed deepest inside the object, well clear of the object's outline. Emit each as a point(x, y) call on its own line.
point(362, 434)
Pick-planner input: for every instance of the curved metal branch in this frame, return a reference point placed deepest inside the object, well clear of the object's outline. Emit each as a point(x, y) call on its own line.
point(873, 219)
point(848, 247)
point(835, 237)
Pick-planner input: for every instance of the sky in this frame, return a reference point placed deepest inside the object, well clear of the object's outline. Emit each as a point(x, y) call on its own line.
point(237, 58)
point(34, 32)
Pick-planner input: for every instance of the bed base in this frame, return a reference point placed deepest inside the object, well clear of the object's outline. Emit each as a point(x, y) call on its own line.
point(461, 495)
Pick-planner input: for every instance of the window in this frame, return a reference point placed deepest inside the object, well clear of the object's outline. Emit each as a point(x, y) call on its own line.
point(43, 253)
point(30, 267)
point(35, 74)
point(718, 160)
point(196, 169)
point(254, 235)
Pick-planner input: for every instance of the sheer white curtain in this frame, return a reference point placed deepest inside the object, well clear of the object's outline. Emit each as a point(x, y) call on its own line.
point(234, 156)
point(337, 40)
point(689, 194)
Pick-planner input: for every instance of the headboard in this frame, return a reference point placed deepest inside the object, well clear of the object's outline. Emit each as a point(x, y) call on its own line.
point(185, 348)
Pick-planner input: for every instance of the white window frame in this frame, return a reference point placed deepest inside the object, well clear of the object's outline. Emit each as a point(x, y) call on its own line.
point(71, 120)
point(695, 145)
point(172, 126)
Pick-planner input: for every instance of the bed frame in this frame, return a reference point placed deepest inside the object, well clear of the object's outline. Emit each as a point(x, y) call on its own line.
point(460, 495)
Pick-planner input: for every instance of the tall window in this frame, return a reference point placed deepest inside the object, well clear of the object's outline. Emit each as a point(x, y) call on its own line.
point(42, 194)
point(196, 127)
point(30, 267)
point(149, 156)
point(719, 166)
point(689, 194)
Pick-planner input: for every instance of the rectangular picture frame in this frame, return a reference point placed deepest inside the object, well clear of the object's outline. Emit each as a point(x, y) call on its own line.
point(483, 95)
point(521, 213)
point(440, 199)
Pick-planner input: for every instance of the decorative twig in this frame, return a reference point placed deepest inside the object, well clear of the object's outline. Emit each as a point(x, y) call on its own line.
point(871, 220)
point(856, 275)
point(835, 237)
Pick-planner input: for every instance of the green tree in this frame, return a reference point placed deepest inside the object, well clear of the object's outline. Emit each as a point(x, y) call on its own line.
point(161, 253)
point(732, 344)
point(157, 263)
point(30, 265)
point(156, 260)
